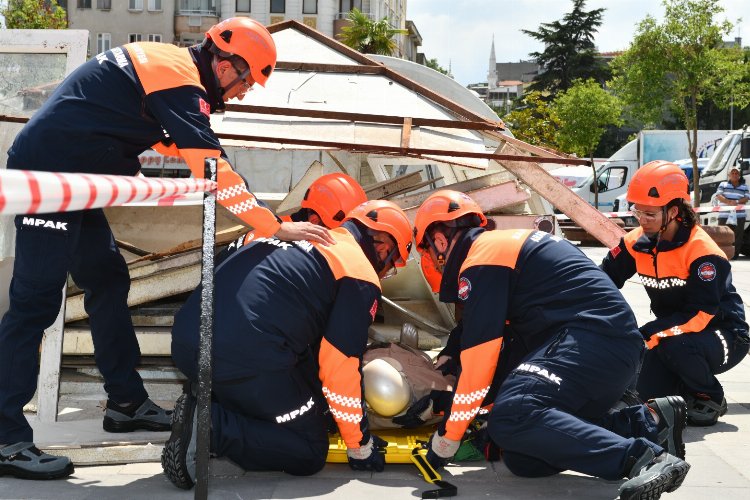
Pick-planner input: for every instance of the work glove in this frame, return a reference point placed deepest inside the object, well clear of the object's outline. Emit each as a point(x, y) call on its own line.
point(446, 365)
point(416, 415)
point(440, 450)
point(370, 456)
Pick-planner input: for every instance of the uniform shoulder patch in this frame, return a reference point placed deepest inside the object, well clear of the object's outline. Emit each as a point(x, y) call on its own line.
point(707, 271)
point(464, 287)
point(615, 252)
point(205, 108)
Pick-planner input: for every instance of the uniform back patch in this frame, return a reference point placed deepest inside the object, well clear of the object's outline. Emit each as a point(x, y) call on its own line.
point(707, 271)
point(464, 287)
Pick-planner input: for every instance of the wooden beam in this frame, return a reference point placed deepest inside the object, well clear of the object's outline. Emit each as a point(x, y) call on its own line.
point(398, 150)
point(490, 198)
point(389, 186)
point(360, 117)
point(492, 179)
point(367, 69)
point(406, 133)
point(565, 200)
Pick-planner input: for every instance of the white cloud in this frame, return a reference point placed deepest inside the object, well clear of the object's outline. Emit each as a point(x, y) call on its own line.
point(459, 32)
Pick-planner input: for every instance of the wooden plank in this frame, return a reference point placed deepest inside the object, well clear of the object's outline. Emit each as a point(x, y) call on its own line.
point(491, 198)
point(222, 238)
point(389, 186)
point(48, 385)
point(406, 133)
point(152, 287)
point(463, 186)
point(153, 341)
point(411, 188)
point(565, 200)
point(131, 248)
point(291, 203)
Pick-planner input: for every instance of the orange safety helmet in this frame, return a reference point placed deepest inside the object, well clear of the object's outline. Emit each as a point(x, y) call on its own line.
point(384, 215)
point(332, 196)
point(248, 39)
point(657, 183)
point(443, 206)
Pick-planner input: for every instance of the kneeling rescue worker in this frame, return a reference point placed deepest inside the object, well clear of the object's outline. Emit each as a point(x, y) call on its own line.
point(700, 327)
point(291, 322)
point(568, 347)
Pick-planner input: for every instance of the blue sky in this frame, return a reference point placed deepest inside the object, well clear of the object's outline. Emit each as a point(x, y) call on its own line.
point(459, 32)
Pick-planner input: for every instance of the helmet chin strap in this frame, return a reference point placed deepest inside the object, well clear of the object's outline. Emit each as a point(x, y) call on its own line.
point(658, 234)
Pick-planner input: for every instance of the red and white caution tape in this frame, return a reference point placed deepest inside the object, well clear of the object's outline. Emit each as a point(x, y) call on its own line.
point(698, 210)
point(29, 192)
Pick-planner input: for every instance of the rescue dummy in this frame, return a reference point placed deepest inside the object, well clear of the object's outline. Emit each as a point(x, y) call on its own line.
point(700, 328)
point(290, 329)
point(571, 346)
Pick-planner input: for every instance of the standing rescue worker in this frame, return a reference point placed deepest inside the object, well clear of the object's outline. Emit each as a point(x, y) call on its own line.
point(700, 327)
point(536, 309)
point(290, 328)
point(100, 118)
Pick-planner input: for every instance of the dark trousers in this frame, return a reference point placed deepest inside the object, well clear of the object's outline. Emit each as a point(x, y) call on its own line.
point(687, 364)
point(553, 412)
point(80, 243)
point(275, 420)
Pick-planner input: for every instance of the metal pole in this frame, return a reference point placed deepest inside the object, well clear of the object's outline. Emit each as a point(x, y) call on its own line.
point(206, 336)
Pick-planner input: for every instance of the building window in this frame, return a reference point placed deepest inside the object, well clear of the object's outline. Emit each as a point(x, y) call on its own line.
point(242, 6)
point(84, 4)
point(154, 5)
point(135, 5)
point(348, 5)
point(310, 7)
point(134, 37)
point(155, 37)
point(103, 42)
point(103, 4)
point(278, 6)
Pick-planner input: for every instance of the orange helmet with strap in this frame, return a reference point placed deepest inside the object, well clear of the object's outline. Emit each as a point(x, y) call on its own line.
point(657, 183)
point(384, 215)
point(332, 196)
point(444, 206)
point(248, 39)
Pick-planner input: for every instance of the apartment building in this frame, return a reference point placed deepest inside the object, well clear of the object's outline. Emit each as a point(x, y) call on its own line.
point(326, 16)
point(116, 22)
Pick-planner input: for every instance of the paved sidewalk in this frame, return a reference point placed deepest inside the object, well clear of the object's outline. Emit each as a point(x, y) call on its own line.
point(719, 457)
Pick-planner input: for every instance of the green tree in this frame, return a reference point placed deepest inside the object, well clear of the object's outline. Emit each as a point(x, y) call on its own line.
point(569, 52)
point(585, 110)
point(676, 66)
point(534, 121)
point(34, 14)
point(370, 37)
point(433, 63)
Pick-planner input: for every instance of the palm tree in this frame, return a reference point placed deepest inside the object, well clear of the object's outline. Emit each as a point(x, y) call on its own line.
point(370, 37)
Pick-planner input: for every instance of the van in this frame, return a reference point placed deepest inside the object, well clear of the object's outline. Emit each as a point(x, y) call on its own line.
point(614, 175)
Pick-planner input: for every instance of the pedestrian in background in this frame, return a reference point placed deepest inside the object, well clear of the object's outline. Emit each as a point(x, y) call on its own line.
point(730, 193)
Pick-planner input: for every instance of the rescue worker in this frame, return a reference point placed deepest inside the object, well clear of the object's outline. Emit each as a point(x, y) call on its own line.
point(326, 202)
point(101, 117)
point(700, 327)
point(548, 339)
point(291, 322)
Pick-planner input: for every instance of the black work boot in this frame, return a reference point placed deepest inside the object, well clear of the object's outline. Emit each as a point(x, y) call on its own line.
point(146, 416)
point(651, 476)
point(178, 457)
point(705, 412)
point(672, 412)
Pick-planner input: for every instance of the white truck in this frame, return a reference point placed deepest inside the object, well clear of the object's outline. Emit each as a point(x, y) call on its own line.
point(614, 175)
